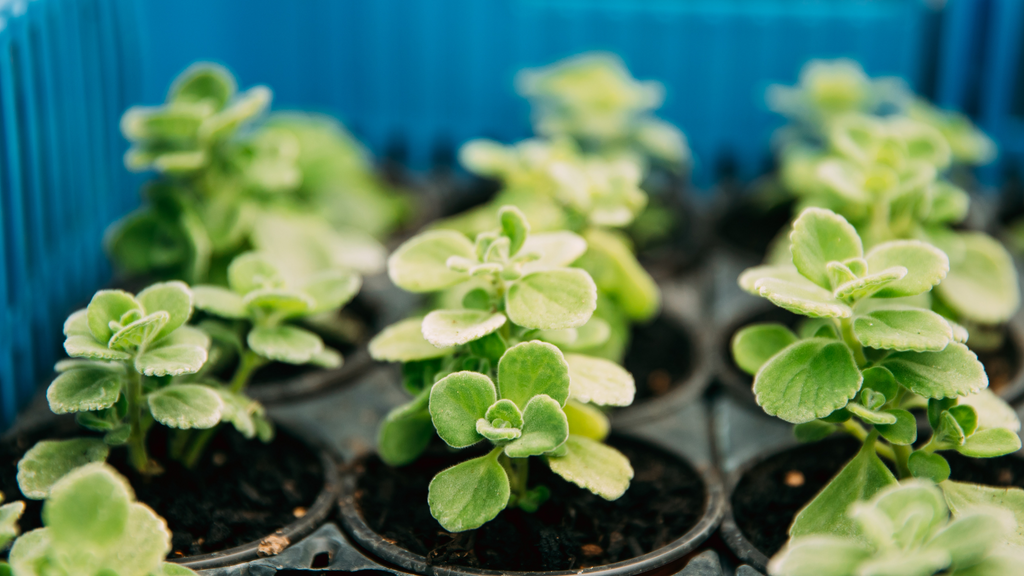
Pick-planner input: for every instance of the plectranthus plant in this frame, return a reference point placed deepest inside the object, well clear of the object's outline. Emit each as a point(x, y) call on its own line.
point(128, 355)
point(93, 525)
point(484, 372)
point(593, 99)
point(885, 176)
point(867, 355)
point(910, 529)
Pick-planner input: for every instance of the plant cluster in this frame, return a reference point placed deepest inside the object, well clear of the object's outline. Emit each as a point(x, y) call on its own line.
point(490, 370)
point(220, 176)
point(868, 354)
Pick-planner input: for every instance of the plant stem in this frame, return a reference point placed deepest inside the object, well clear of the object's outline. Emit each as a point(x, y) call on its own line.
point(902, 456)
point(846, 326)
point(858, 431)
point(137, 437)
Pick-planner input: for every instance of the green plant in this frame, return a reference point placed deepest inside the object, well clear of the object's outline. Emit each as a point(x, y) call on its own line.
point(519, 292)
point(907, 530)
point(93, 525)
point(869, 353)
point(593, 99)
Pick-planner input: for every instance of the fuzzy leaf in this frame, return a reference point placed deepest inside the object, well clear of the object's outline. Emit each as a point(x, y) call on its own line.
point(445, 328)
point(860, 288)
point(821, 236)
point(992, 411)
point(107, 306)
point(586, 420)
point(615, 269)
point(903, 432)
point(903, 328)
point(870, 416)
point(552, 299)
point(954, 371)
point(756, 344)
point(186, 406)
point(203, 82)
point(253, 271)
point(748, 278)
point(9, 516)
point(860, 479)
point(514, 226)
point(288, 344)
point(497, 433)
point(982, 282)
point(238, 409)
point(183, 352)
point(174, 297)
point(470, 494)
point(881, 380)
point(220, 302)
point(88, 509)
point(331, 289)
point(599, 381)
point(140, 332)
point(556, 250)
point(545, 428)
point(990, 443)
point(50, 460)
point(964, 498)
point(817, 556)
point(531, 368)
point(404, 342)
point(280, 302)
point(595, 466)
point(405, 432)
point(926, 266)
point(457, 401)
point(813, 431)
point(802, 297)
point(420, 263)
point(931, 466)
point(505, 410)
point(84, 389)
point(808, 380)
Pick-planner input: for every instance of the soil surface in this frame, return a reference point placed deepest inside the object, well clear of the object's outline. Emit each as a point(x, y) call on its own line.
point(770, 494)
point(752, 222)
point(574, 529)
point(1002, 365)
point(1002, 471)
point(660, 358)
point(241, 491)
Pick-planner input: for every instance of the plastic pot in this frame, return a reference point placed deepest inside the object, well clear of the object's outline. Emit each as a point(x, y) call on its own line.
point(390, 553)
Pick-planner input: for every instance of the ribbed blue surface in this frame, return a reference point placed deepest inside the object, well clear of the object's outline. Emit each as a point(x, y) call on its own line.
point(414, 78)
point(1001, 104)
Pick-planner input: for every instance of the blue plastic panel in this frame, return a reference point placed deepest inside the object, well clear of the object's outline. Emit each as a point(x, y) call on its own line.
point(1001, 111)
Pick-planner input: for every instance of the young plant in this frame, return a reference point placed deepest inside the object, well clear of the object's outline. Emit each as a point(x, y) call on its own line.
point(593, 99)
point(868, 355)
point(126, 350)
point(519, 291)
point(93, 525)
point(907, 529)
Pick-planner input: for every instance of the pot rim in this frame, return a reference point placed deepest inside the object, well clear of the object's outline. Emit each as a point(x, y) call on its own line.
point(687, 389)
point(315, 515)
point(390, 553)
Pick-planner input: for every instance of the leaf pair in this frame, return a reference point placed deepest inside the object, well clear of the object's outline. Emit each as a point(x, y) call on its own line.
point(93, 525)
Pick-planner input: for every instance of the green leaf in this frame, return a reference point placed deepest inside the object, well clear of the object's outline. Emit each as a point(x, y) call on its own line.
point(220, 302)
point(552, 299)
point(50, 460)
point(860, 288)
point(555, 250)
point(926, 266)
point(470, 494)
point(545, 427)
point(969, 539)
point(404, 342)
point(327, 358)
point(819, 556)
point(514, 226)
point(903, 328)
point(531, 368)
point(505, 410)
point(444, 328)
point(420, 263)
point(992, 411)
point(615, 269)
point(954, 371)
point(860, 479)
point(203, 82)
point(930, 466)
point(405, 432)
point(964, 498)
point(497, 431)
point(80, 342)
point(88, 509)
point(108, 306)
point(966, 417)
point(802, 297)
point(253, 271)
point(140, 332)
point(870, 416)
point(586, 420)
point(280, 302)
point(169, 569)
point(182, 352)
point(982, 282)
point(821, 236)
point(936, 407)
point(238, 409)
point(813, 431)
point(756, 344)
point(807, 380)
point(599, 381)
point(331, 289)
point(83, 389)
point(990, 443)
point(9, 516)
point(903, 432)
point(186, 406)
point(118, 436)
point(594, 466)
point(288, 344)
point(457, 401)
point(748, 278)
point(174, 297)
point(880, 380)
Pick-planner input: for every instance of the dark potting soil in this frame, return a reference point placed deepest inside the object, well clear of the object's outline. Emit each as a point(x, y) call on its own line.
point(574, 529)
point(660, 357)
point(770, 494)
point(752, 222)
point(1002, 471)
point(241, 491)
point(1002, 365)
